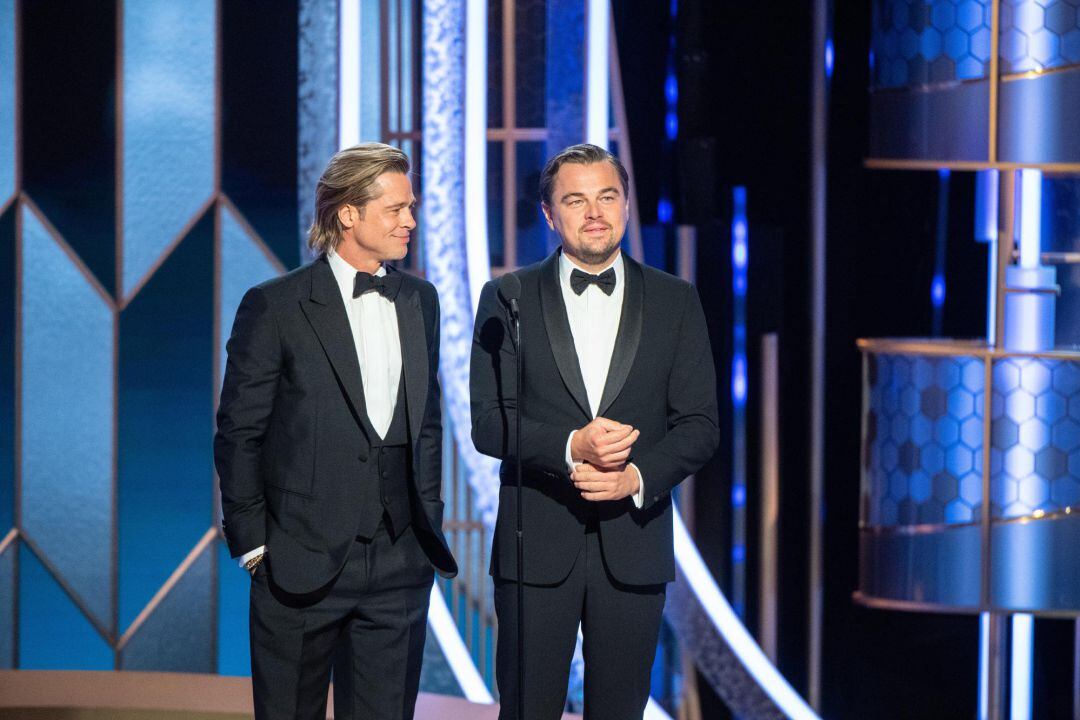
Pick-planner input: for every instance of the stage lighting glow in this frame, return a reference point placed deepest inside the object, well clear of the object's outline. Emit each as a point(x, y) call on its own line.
point(984, 665)
point(348, 73)
point(829, 58)
point(671, 89)
point(671, 125)
point(738, 380)
point(454, 650)
point(598, 18)
point(738, 495)
point(1023, 638)
point(724, 619)
point(937, 291)
point(476, 82)
point(664, 212)
point(1030, 217)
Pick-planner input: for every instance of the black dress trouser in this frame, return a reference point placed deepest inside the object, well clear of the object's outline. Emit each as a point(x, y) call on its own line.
point(369, 625)
point(620, 625)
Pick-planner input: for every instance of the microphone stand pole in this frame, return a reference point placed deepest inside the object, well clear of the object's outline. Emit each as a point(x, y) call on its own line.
point(516, 321)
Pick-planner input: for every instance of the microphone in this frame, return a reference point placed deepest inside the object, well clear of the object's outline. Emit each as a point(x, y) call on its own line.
point(510, 291)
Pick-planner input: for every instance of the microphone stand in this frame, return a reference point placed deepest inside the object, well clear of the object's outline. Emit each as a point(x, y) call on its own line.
point(515, 321)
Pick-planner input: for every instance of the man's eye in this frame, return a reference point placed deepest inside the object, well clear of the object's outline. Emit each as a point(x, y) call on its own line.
point(575, 203)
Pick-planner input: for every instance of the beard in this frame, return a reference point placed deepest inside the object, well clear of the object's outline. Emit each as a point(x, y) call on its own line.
point(600, 250)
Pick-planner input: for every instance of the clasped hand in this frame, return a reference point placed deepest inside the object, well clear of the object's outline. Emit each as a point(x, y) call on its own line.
point(600, 451)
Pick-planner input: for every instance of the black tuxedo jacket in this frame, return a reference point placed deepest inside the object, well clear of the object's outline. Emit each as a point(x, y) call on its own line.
point(661, 380)
point(293, 433)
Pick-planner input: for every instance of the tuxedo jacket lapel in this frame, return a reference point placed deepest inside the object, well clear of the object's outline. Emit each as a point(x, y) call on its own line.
point(558, 331)
point(414, 355)
point(326, 313)
point(629, 335)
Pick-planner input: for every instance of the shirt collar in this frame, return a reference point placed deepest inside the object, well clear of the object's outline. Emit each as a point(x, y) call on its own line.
point(345, 274)
point(567, 266)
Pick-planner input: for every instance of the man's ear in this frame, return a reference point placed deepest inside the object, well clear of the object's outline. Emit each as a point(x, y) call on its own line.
point(547, 215)
point(347, 215)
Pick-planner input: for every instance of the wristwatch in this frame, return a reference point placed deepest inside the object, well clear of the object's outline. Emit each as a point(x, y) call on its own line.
point(253, 563)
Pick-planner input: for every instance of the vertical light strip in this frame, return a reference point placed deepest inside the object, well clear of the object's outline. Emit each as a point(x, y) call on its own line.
point(348, 73)
point(597, 73)
point(739, 261)
point(1023, 644)
point(1030, 217)
point(476, 84)
point(1023, 628)
point(984, 665)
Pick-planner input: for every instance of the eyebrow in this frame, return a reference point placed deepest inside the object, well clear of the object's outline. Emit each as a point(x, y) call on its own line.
point(569, 195)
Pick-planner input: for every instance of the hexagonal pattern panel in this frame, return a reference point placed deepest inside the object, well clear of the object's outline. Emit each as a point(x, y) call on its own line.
point(1035, 436)
point(1039, 34)
point(923, 439)
point(916, 42)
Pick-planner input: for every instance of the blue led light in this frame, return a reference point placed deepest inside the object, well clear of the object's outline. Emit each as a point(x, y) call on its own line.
point(664, 211)
point(829, 58)
point(937, 291)
point(738, 379)
point(671, 89)
point(943, 173)
point(738, 495)
point(672, 125)
point(738, 553)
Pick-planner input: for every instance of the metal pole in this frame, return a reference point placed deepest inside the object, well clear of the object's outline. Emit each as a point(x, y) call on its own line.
point(819, 122)
point(770, 494)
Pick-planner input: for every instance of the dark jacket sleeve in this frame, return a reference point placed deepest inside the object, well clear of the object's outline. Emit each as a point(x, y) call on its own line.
point(429, 444)
point(247, 403)
point(693, 427)
point(493, 393)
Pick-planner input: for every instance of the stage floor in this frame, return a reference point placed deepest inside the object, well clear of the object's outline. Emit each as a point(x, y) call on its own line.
point(77, 695)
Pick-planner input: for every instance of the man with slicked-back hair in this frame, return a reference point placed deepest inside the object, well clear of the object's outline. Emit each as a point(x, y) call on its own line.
point(618, 406)
point(329, 449)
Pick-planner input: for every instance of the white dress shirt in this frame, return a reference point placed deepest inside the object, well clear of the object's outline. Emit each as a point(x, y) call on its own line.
point(374, 326)
point(594, 323)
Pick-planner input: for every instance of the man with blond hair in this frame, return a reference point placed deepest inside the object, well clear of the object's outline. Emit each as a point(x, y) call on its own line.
point(328, 449)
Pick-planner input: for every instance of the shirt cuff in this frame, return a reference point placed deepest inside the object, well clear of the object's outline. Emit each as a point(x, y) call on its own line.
point(639, 496)
point(570, 464)
point(257, 552)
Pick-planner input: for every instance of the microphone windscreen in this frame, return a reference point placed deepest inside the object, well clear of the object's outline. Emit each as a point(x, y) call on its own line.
point(509, 287)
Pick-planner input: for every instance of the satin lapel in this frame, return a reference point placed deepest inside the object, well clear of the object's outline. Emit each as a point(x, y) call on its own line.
point(414, 355)
point(629, 336)
point(326, 313)
point(559, 336)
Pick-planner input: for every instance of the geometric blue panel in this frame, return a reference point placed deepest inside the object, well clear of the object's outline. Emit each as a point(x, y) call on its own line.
point(234, 592)
point(178, 635)
point(7, 99)
point(53, 634)
point(924, 440)
point(244, 264)
point(166, 384)
point(7, 606)
point(7, 369)
point(67, 418)
point(168, 124)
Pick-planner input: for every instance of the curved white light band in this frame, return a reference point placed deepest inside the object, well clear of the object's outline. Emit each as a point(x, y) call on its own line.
point(727, 623)
point(454, 650)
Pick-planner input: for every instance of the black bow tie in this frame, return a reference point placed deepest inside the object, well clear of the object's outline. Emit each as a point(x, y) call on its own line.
point(387, 285)
point(580, 280)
